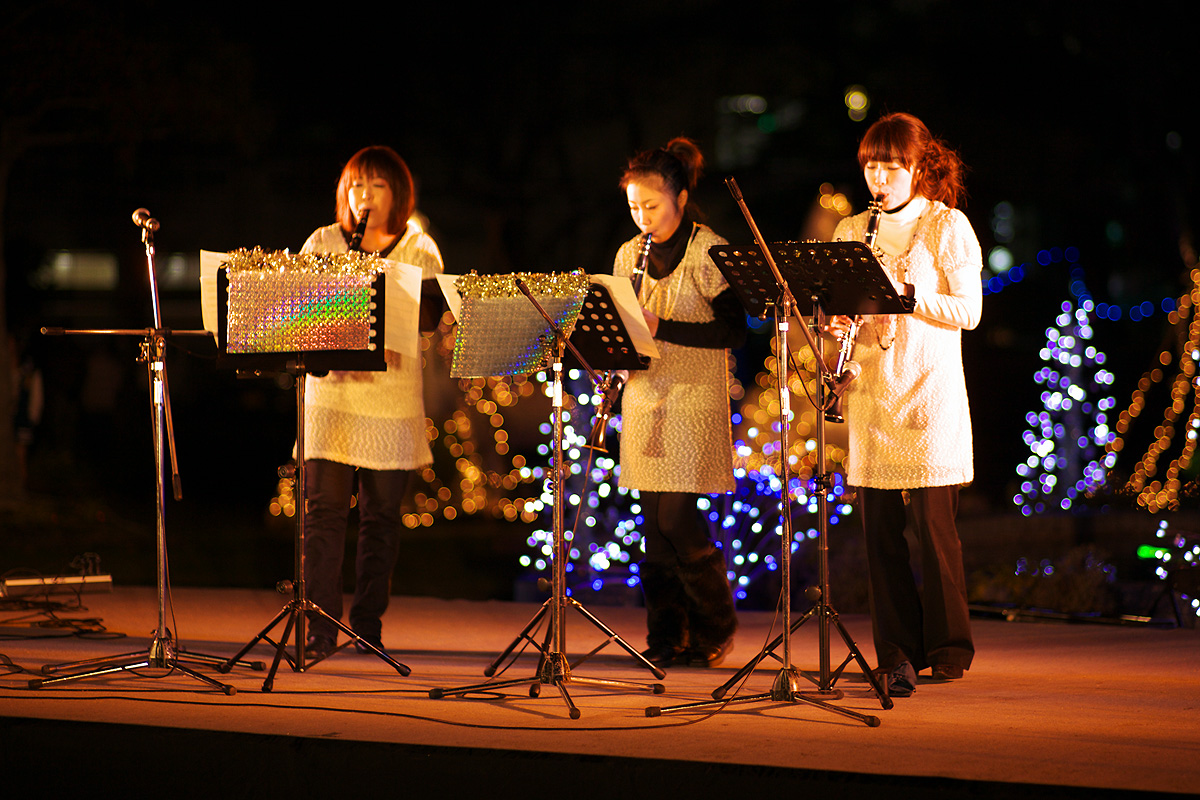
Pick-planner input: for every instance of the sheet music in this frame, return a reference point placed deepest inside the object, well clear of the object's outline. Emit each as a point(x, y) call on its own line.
point(453, 298)
point(210, 263)
point(621, 290)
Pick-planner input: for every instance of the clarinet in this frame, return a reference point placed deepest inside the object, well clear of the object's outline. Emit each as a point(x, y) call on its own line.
point(359, 229)
point(833, 409)
point(643, 262)
point(610, 387)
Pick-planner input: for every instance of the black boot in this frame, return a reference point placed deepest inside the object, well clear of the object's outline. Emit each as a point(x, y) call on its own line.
point(666, 615)
point(711, 615)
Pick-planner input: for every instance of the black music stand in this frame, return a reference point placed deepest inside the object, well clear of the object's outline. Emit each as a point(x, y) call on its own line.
point(604, 341)
point(553, 668)
point(163, 652)
point(838, 278)
point(601, 336)
point(301, 363)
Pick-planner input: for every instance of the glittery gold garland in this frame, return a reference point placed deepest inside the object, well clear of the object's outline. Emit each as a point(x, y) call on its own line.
point(258, 260)
point(555, 284)
point(499, 331)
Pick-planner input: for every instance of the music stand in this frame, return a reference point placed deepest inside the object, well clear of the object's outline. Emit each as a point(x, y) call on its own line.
point(839, 278)
point(603, 336)
point(301, 314)
point(515, 354)
point(163, 652)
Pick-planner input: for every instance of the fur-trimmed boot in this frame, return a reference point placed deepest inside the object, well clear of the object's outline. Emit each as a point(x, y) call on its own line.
point(666, 615)
point(712, 619)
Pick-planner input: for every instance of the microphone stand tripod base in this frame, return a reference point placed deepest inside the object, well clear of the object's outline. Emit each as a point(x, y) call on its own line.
point(161, 655)
point(786, 686)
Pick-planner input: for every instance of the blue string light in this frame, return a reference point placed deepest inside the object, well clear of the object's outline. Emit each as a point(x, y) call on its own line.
point(1111, 312)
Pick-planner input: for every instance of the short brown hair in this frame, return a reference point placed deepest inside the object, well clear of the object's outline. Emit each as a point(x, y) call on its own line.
point(378, 162)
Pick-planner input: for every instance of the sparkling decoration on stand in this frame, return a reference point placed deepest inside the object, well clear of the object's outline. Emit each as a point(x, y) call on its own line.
point(501, 332)
point(281, 302)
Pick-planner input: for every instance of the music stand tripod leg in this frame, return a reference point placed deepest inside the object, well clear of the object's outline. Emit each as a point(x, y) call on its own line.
point(260, 636)
point(614, 637)
point(524, 635)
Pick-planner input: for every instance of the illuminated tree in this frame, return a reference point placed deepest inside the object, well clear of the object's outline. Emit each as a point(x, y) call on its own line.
point(604, 520)
point(1068, 437)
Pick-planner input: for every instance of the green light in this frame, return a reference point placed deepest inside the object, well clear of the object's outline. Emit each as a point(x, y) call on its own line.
point(1150, 551)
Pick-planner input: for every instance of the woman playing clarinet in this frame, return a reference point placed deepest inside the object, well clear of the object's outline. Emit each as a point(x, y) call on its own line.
point(364, 427)
point(910, 426)
point(676, 440)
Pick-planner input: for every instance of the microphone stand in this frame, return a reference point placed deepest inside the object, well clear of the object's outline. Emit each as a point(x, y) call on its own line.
point(163, 652)
point(786, 687)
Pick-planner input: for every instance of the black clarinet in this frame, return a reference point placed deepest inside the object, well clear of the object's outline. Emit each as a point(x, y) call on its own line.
point(643, 263)
point(839, 380)
point(359, 229)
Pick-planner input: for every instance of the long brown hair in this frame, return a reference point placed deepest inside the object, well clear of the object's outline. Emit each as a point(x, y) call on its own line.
point(904, 139)
point(377, 162)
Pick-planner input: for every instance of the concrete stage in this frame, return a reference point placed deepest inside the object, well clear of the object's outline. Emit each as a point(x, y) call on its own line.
point(1049, 709)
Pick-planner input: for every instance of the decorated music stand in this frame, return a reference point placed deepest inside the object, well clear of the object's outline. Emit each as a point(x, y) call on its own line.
point(502, 333)
point(838, 278)
point(301, 314)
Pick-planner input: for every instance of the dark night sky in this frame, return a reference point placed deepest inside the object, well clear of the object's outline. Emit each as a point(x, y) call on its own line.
point(231, 126)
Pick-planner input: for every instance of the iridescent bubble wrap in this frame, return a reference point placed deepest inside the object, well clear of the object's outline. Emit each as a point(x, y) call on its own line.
point(499, 330)
point(280, 302)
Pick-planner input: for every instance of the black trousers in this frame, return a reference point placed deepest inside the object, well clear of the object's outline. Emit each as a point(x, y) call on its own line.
point(329, 486)
point(687, 594)
point(673, 531)
point(930, 625)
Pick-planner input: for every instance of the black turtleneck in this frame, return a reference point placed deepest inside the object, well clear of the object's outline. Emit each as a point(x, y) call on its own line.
point(728, 326)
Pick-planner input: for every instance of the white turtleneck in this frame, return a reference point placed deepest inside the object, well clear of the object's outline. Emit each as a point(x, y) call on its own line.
point(896, 229)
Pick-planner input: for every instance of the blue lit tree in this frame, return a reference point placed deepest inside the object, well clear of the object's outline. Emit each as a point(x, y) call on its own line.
point(1068, 436)
point(603, 520)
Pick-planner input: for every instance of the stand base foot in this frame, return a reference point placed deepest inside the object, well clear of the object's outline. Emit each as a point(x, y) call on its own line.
point(129, 663)
point(784, 690)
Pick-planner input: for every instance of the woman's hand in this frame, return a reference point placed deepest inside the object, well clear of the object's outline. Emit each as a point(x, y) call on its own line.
point(838, 325)
point(651, 321)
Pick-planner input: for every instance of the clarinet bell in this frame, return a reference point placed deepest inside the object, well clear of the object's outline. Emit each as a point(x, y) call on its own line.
point(596, 441)
point(610, 390)
point(834, 412)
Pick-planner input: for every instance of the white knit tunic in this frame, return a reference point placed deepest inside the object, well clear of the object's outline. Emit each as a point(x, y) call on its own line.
point(374, 420)
point(910, 424)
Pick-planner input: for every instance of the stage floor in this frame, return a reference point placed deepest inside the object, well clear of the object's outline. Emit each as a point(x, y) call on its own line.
point(1047, 707)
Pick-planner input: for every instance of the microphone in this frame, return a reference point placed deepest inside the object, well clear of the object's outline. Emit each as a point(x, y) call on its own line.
point(142, 219)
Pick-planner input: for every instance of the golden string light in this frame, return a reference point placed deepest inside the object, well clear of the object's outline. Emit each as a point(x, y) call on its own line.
point(473, 469)
point(1153, 493)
